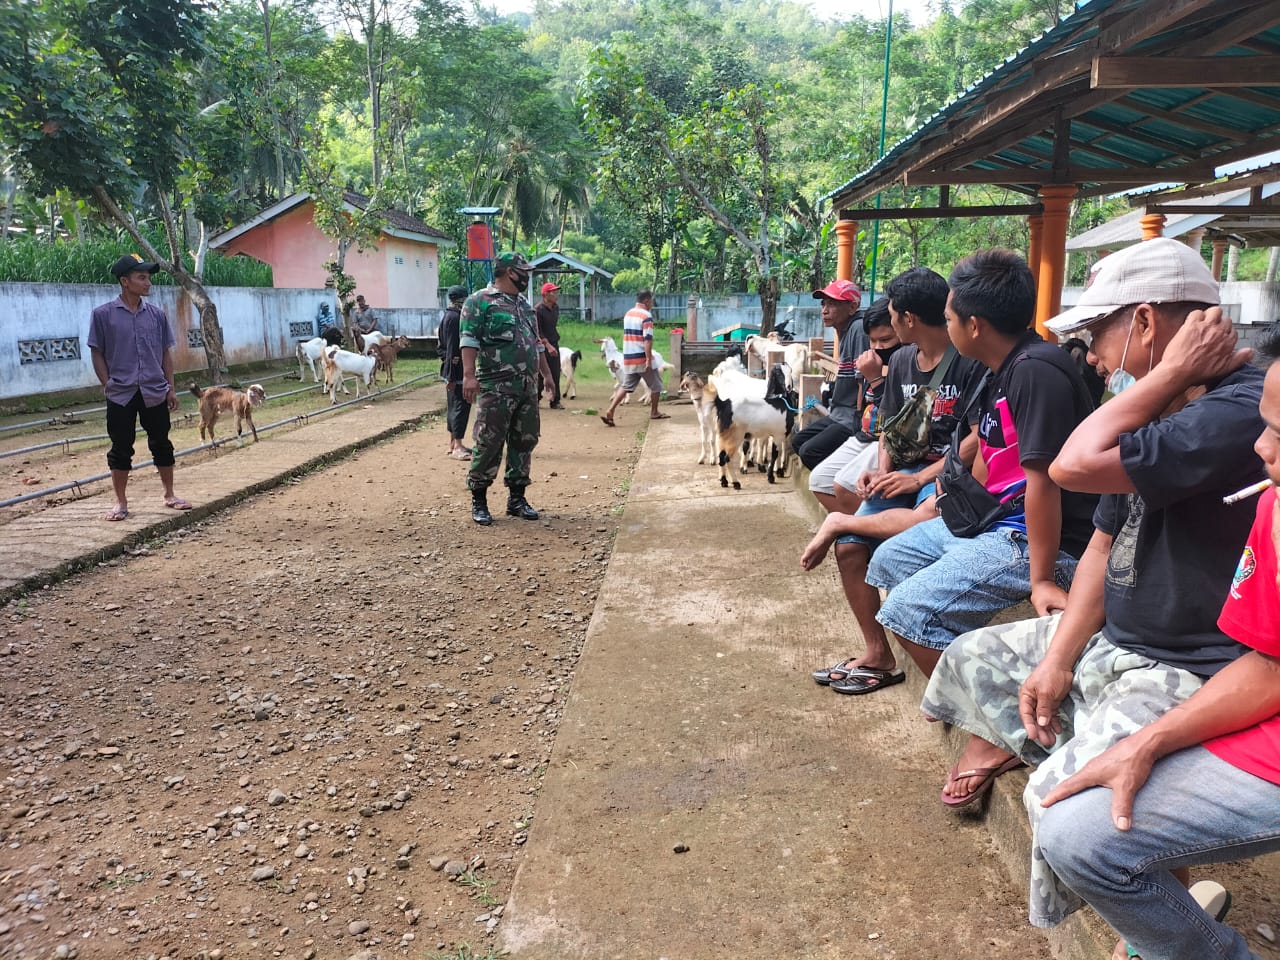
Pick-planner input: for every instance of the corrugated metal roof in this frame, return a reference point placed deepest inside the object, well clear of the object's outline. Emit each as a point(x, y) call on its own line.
point(1127, 229)
point(1006, 121)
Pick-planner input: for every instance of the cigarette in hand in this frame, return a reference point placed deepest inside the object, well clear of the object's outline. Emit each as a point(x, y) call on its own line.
point(1252, 490)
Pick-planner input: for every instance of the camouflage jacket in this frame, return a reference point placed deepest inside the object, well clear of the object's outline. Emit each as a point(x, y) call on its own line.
point(503, 330)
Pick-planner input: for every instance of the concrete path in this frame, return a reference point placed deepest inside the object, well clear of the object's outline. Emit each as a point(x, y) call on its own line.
point(40, 546)
point(812, 820)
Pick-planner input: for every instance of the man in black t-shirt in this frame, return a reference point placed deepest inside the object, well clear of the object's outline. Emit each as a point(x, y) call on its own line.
point(896, 497)
point(1139, 632)
point(548, 313)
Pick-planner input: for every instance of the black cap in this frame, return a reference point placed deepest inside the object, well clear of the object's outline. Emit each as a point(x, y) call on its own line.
point(457, 292)
point(131, 262)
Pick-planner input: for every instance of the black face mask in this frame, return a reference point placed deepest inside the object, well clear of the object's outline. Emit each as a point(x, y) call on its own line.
point(521, 280)
point(884, 353)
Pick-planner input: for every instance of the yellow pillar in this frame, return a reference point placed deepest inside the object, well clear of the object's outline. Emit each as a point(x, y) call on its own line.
point(1152, 225)
point(1035, 226)
point(1219, 249)
point(846, 242)
point(1056, 198)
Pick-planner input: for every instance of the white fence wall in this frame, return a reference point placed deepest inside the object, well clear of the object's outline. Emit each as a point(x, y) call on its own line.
point(44, 326)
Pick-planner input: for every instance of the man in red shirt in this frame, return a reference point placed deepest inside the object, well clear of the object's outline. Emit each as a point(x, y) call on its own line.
point(1199, 785)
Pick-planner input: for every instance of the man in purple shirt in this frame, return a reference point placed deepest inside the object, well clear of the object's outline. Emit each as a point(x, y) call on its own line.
point(132, 346)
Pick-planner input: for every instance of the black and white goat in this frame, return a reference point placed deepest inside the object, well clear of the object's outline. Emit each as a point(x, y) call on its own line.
point(741, 419)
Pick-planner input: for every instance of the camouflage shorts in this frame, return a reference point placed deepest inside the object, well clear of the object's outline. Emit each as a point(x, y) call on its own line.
point(1115, 693)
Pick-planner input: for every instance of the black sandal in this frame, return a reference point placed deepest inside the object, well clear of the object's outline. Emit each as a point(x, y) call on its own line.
point(841, 671)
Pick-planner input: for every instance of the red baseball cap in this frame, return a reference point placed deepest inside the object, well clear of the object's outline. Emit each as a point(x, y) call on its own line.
point(548, 287)
point(839, 290)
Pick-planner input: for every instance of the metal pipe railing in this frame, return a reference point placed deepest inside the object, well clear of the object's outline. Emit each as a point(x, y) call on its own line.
point(302, 417)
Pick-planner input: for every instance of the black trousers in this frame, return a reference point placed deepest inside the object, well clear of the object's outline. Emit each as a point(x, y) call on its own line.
point(553, 361)
point(457, 411)
point(122, 424)
point(819, 440)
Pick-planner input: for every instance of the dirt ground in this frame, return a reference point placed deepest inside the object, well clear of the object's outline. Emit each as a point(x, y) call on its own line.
point(312, 726)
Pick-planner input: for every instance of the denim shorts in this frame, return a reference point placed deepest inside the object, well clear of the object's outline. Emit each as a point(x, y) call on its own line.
point(874, 505)
point(941, 585)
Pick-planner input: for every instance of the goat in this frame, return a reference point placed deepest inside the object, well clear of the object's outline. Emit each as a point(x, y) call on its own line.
point(215, 401)
point(796, 356)
point(695, 386)
point(365, 342)
point(338, 362)
point(310, 353)
point(569, 358)
point(744, 418)
point(385, 353)
point(613, 359)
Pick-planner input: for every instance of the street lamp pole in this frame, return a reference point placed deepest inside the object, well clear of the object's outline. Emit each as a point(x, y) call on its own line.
point(884, 112)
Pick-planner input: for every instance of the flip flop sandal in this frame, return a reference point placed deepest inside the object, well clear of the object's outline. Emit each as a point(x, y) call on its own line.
point(607, 421)
point(989, 775)
point(116, 515)
point(866, 680)
point(178, 504)
point(834, 673)
point(660, 416)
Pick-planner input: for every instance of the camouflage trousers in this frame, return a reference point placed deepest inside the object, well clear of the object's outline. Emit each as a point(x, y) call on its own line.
point(1115, 693)
point(504, 417)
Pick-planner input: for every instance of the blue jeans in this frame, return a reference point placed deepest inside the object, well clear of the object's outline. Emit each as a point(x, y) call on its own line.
point(877, 504)
point(941, 585)
point(1195, 809)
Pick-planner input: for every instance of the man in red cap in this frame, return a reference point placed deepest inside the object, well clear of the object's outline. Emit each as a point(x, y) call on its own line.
point(816, 442)
point(548, 313)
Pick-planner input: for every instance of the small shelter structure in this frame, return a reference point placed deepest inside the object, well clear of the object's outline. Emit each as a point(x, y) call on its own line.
point(560, 264)
point(1119, 94)
point(404, 270)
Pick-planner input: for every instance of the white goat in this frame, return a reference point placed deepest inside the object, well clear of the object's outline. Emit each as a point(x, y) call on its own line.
point(338, 362)
point(367, 341)
point(796, 356)
point(612, 357)
point(569, 358)
point(739, 419)
point(310, 353)
point(695, 386)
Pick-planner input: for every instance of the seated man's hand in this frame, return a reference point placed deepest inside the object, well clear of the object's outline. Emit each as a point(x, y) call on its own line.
point(896, 484)
point(1047, 597)
point(869, 365)
point(1124, 768)
point(1204, 348)
point(1038, 701)
point(865, 483)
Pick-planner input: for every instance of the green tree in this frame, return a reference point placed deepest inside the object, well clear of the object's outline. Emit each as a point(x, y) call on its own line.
point(102, 102)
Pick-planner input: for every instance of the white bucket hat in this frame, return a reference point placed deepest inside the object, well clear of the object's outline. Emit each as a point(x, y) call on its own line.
point(1162, 270)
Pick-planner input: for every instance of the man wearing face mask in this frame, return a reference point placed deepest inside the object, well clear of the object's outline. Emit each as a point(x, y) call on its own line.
point(502, 355)
point(1139, 632)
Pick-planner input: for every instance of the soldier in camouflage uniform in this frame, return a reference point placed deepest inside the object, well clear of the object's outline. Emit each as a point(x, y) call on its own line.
point(502, 355)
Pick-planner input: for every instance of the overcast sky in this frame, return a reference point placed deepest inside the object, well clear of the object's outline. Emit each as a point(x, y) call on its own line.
point(872, 9)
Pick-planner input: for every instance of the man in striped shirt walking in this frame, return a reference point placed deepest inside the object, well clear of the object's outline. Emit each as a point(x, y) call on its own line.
point(637, 359)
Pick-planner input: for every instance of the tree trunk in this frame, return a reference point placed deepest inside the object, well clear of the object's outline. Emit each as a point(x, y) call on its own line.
point(769, 295)
point(1273, 262)
point(1233, 262)
point(7, 222)
point(673, 269)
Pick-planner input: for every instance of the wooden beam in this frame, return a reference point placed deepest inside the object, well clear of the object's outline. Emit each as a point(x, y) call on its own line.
point(1181, 72)
point(1222, 209)
point(941, 213)
point(1188, 173)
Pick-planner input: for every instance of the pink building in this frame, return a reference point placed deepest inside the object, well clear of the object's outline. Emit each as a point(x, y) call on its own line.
point(403, 272)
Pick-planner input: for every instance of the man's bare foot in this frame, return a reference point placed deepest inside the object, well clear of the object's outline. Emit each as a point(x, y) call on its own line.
point(1121, 952)
point(820, 545)
point(978, 754)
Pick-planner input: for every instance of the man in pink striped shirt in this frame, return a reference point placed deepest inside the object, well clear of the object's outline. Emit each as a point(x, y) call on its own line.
point(637, 359)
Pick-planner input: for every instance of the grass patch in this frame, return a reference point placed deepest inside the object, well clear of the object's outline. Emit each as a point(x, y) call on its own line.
point(464, 952)
point(479, 888)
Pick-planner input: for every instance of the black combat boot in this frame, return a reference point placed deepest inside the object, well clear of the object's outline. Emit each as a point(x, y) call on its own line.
point(518, 506)
point(480, 508)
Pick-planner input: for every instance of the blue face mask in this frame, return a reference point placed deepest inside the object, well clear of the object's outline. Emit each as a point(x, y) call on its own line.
point(1121, 379)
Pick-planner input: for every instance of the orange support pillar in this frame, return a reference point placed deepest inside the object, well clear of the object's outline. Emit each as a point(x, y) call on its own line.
point(846, 243)
point(1152, 225)
point(1053, 252)
point(1035, 227)
point(1219, 249)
